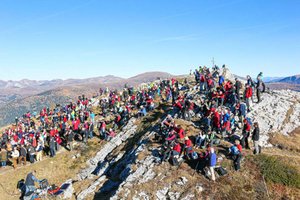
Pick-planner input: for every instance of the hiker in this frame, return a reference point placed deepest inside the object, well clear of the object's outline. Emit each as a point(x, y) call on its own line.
point(110, 134)
point(52, 146)
point(102, 129)
point(188, 146)
point(142, 112)
point(235, 151)
point(246, 134)
point(255, 138)
point(70, 138)
point(248, 95)
point(199, 141)
point(212, 161)
point(3, 157)
point(15, 155)
point(238, 87)
point(176, 153)
point(252, 85)
point(91, 130)
point(258, 86)
point(39, 151)
point(23, 154)
point(29, 181)
point(31, 152)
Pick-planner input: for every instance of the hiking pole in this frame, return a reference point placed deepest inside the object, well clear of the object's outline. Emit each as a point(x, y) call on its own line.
point(196, 167)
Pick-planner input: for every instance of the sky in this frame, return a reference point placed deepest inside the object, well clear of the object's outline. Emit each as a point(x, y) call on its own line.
point(51, 39)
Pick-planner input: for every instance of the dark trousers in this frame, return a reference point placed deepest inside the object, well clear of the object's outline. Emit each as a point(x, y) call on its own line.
point(31, 158)
point(237, 161)
point(258, 95)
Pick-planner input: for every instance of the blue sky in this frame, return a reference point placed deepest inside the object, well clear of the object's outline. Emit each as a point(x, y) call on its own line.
point(52, 39)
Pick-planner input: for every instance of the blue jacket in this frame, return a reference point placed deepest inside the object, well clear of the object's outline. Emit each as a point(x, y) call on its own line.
point(226, 117)
point(212, 159)
point(221, 80)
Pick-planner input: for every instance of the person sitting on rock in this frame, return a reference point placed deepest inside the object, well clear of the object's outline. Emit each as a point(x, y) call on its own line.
point(199, 141)
point(110, 134)
point(176, 152)
point(142, 112)
point(188, 147)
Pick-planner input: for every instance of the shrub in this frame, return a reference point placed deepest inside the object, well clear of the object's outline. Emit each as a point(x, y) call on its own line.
point(276, 171)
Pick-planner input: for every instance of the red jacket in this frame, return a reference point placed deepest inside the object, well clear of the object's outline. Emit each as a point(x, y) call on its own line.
point(216, 119)
point(249, 92)
point(239, 147)
point(177, 148)
point(247, 127)
point(188, 143)
point(226, 126)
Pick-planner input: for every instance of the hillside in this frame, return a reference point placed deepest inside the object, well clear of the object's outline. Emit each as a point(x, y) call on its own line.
point(18, 97)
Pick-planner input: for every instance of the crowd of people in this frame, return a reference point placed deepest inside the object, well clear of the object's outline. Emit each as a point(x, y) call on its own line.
point(34, 136)
point(219, 105)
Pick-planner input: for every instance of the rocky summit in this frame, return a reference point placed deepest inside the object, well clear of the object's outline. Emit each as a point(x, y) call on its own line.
point(132, 164)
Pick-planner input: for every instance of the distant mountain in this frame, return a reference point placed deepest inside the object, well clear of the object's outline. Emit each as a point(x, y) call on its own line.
point(291, 82)
point(14, 90)
point(272, 79)
point(18, 97)
point(291, 79)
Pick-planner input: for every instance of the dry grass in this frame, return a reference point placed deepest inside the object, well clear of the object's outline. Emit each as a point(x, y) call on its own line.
point(57, 170)
point(291, 142)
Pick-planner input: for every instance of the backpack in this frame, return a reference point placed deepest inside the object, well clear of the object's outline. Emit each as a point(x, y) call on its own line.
point(221, 171)
point(21, 185)
point(194, 155)
point(249, 120)
point(234, 150)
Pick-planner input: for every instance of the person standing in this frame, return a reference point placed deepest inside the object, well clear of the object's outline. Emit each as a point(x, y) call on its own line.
point(238, 87)
point(212, 163)
point(15, 155)
point(31, 152)
point(248, 96)
point(255, 138)
point(246, 134)
point(52, 146)
point(23, 155)
point(39, 151)
point(70, 139)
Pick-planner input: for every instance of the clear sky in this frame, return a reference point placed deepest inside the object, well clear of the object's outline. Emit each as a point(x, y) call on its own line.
point(49, 39)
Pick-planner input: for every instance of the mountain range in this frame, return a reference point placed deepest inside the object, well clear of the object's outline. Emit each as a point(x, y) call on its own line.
point(290, 82)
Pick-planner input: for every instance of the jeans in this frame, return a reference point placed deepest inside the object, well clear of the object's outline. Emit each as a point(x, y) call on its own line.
point(91, 134)
point(199, 141)
point(52, 152)
point(3, 163)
